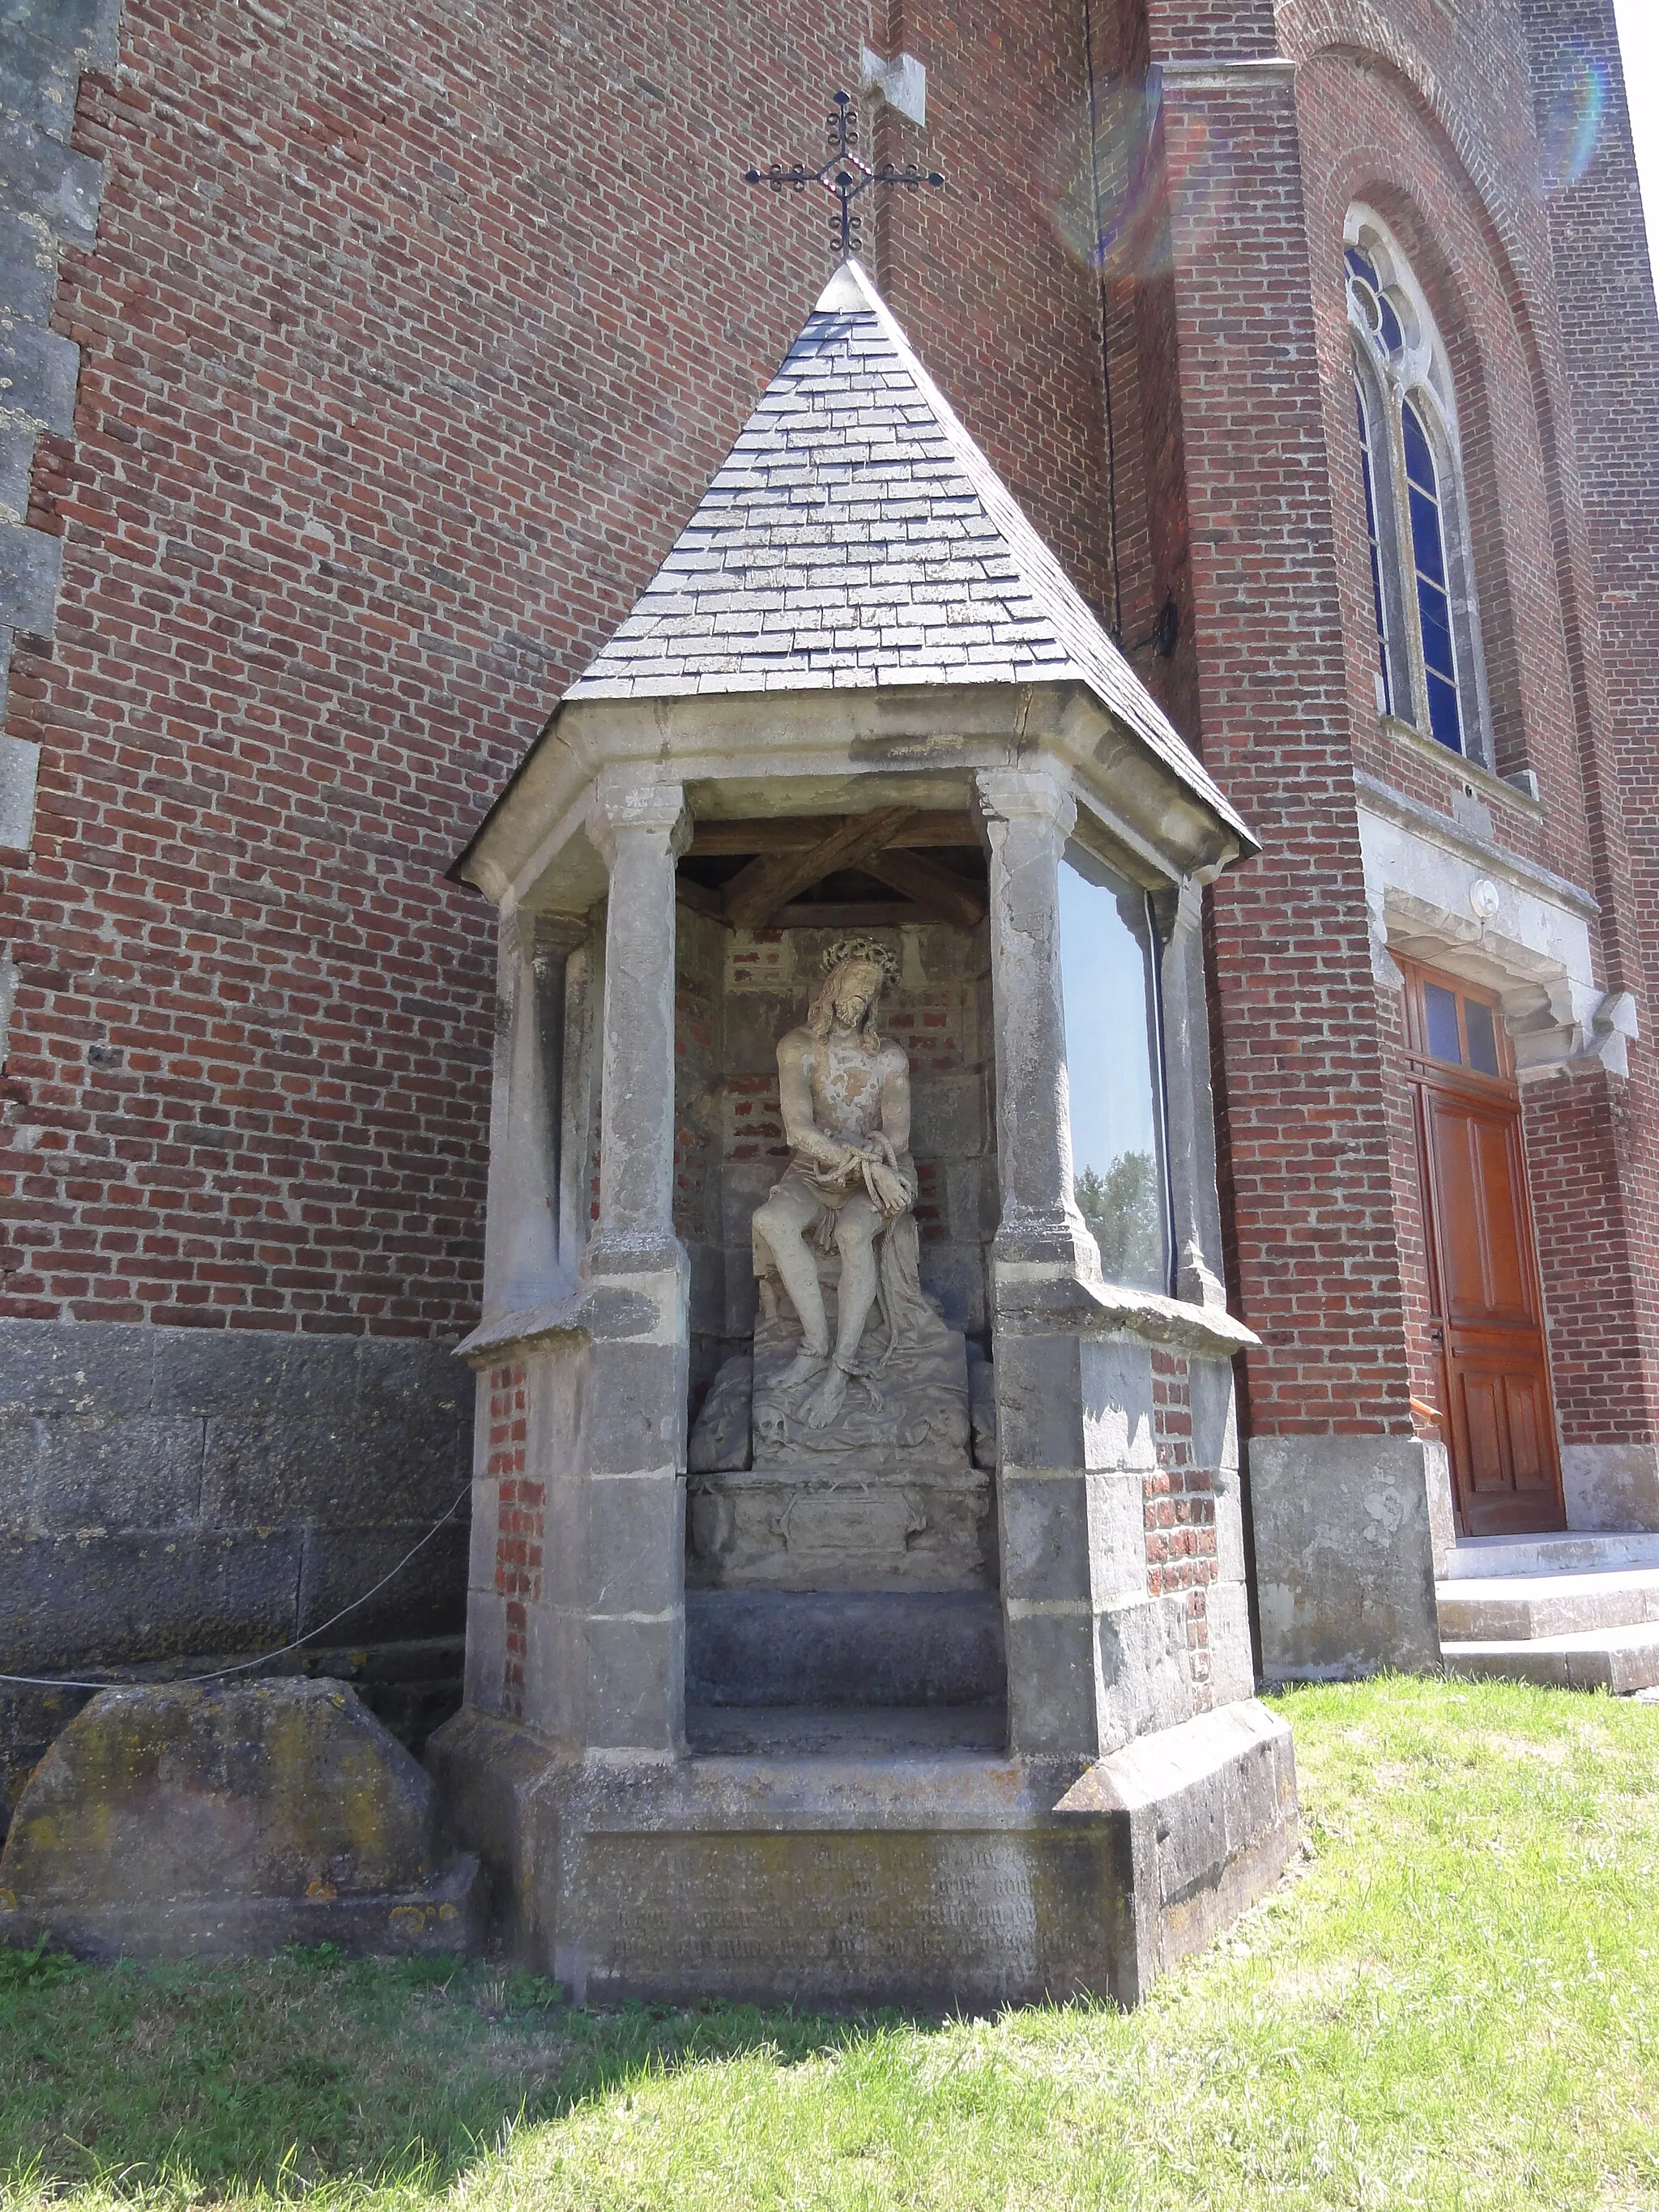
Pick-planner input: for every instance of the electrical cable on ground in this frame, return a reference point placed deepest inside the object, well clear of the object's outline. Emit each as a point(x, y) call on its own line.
point(245, 1665)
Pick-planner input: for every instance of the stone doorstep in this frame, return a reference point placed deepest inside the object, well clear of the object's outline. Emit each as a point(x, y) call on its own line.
point(449, 1916)
point(1567, 1551)
point(1491, 1608)
point(1622, 1660)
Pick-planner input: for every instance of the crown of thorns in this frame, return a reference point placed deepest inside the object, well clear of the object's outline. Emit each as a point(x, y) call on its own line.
point(865, 949)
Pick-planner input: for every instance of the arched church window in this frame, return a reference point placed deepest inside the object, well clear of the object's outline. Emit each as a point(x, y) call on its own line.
point(1428, 643)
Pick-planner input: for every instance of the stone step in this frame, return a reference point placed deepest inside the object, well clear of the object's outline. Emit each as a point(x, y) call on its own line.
point(780, 1731)
point(1622, 1660)
point(811, 1648)
point(1573, 1552)
point(1490, 1608)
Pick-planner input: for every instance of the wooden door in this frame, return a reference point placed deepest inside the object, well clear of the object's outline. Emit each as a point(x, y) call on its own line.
point(1486, 1314)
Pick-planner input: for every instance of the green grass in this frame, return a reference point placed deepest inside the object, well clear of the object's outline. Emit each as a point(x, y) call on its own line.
point(1454, 2003)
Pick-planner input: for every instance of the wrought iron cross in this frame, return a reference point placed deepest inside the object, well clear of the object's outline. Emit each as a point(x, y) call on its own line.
point(844, 174)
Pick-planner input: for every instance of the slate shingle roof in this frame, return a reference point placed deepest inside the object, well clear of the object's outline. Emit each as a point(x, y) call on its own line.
point(856, 536)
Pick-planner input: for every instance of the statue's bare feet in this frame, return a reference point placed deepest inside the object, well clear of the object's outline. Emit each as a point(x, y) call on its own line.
point(802, 1367)
point(825, 1401)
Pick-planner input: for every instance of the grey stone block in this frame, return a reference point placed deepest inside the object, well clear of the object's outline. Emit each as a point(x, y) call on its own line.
point(69, 1601)
point(20, 765)
point(1039, 1401)
point(636, 1409)
point(244, 1375)
point(1045, 1535)
point(16, 463)
point(1344, 1556)
point(28, 283)
point(760, 1648)
point(75, 1367)
point(80, 1473)
point(29, 564)
point(38, 372)
point(342, 1566)
point(635, 1542)
point(40, 177)
point(486, 1650)
point(635, 1684)
point(1052, 1704)
point(1116, 1380)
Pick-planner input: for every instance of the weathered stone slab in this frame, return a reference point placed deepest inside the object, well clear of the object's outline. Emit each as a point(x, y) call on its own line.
point(960, 1880)
point(171, 1819)
point(857, 1528)
point(844, 1649)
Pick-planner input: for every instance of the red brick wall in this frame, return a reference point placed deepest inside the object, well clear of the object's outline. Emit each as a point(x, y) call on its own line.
point(520, 1526)
point(1436, 132)
point(1180, 1534)
point(1307, 1171)
point(402, 358)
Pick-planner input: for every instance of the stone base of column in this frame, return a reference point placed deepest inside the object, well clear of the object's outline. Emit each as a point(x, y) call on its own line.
point(1346, 1542)
point(963, 1880)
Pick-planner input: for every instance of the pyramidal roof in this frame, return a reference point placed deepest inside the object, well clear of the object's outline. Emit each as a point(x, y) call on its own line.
point(856, 536)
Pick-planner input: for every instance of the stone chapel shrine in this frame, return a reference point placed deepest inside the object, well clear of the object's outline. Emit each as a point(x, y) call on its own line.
point(820, 1642)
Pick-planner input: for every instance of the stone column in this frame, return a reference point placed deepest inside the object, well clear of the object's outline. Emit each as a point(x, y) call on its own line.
point(641, 828)
point(524, 1264)
point(1029, 815)
point(1041, 1250)
point(609, 1671)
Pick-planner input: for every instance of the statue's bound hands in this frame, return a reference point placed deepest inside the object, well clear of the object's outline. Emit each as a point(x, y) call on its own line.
point(887, 1187)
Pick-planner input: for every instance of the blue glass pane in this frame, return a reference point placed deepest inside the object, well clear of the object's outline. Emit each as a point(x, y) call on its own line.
point(1420, 459)
point(1437, 633)
point(1393, 337)
point(1426, 539)
point(1444, 721)
point(1483, 1037)
point(1359, 265)
point(1440, 1008)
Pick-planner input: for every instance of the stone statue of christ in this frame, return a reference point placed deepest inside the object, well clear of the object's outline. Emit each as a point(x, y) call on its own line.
point(845, 1092)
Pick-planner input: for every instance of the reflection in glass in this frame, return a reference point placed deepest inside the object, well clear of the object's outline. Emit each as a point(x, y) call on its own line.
point(1483, 1037)
point(1113, 1067)
point(1440, 1009)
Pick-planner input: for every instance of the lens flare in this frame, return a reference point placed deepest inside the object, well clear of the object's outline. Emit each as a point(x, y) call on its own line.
point(1572, 128)
point(1149, 168)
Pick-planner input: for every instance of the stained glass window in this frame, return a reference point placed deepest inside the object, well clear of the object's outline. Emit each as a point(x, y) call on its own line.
point(1434, 607)
point(1423, 610)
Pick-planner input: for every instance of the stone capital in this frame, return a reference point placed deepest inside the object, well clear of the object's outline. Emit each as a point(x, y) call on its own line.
point(1026, 794)
point(626, 806)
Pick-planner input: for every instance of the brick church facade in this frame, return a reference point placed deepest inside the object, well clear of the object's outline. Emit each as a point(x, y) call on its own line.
point(363, 367)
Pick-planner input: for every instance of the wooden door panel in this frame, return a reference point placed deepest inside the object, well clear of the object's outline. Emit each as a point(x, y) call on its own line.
point(1457, 1203)
point(1486, 1310)
point(1525, 1412)
point(1480, 1402)
point(1497, 1147)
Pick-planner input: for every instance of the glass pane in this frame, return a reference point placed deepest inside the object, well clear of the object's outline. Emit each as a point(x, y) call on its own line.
point(1361, 265)
point(1426, 536)
point(1116, 1084)
point(1393, 337)
point(1440, 1013)
point(1378, 606)
point(1445, 723)
point(1483, 1037)
point(1420, 459)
